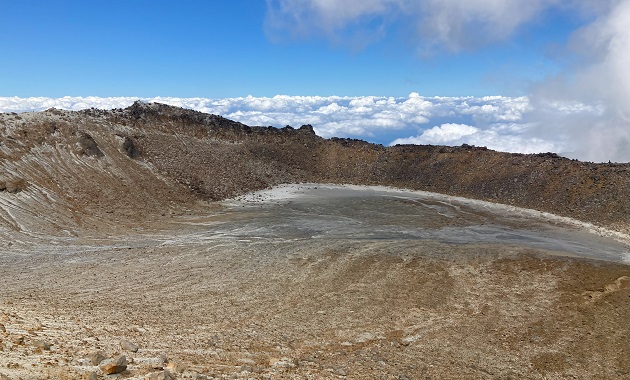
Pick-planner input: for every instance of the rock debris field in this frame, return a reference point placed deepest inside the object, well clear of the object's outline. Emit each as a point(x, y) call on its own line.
point(320, 281)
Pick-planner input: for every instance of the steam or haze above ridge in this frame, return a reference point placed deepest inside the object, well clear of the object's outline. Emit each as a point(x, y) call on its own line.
point(403, 71)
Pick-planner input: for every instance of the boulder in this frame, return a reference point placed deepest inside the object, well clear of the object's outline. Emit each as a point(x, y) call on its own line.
point(44, 346)
point(115, 365)
point(128, 346)
point(175, 366)
point(162, 375)
point(96, 357)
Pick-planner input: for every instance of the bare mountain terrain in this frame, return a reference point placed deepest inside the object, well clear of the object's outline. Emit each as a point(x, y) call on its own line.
point(115, 229)
point(144, 159)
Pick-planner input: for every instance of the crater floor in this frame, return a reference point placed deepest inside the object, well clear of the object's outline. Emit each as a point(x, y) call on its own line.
point(316, 281)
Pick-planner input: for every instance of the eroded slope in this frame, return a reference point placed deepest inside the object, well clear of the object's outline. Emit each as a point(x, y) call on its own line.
point(95, 167)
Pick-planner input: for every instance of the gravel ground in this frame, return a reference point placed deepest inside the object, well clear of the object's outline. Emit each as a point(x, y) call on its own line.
point(229, 294)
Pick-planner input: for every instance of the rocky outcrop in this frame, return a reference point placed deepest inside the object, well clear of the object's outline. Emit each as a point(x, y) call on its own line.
point(14, 185)
point(129, 147)
point(88, 146)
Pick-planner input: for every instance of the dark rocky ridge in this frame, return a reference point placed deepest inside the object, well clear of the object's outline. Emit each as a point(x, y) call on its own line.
point(147, 157)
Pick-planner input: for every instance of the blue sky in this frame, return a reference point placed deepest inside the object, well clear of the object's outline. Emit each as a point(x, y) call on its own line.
point(388, 71)
point(225, 49)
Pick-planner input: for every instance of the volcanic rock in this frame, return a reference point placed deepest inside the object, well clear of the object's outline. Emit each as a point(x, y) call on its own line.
point(162, 375)
point(89, 146)
point(115, 365)
point(96, 357)
point(128, 346)
point(40, 344)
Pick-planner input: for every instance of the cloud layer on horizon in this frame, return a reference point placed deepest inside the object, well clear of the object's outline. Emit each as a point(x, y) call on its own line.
point(498, 122)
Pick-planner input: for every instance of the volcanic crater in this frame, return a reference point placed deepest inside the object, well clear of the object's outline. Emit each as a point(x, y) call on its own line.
point(202, 248)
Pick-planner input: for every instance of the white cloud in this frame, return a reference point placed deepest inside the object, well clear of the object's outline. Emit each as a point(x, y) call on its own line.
point(586, 106)
point(502, 137)
point(444, 134)
point(484, 109)
point(453, 25)
point(590, 102)
point(498, 121)
point(331, 116)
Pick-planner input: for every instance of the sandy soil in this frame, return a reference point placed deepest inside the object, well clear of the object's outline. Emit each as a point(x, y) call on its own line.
point(218, 296)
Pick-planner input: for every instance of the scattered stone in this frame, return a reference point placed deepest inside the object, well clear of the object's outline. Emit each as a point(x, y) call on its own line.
point(365, 337)
point(140, 330)
point(405, 342)
point(155, 363)
point(18, 340)
point(341, 372)
point(175, 367)
point(40, 344)
point(282, 363)
point(162, 375)
point(96, 357)
point(115, 365)
point(2, 328)
point(247, 361)
point(37, 326)
point(247, 368)
point(90, 376)
point(128, 346)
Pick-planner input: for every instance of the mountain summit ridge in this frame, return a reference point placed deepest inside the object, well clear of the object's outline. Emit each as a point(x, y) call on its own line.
point(150, 158)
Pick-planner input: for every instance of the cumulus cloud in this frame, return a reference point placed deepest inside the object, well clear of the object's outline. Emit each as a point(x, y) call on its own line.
point(502, 137)
point(444, 134)
point(598, 87)
point(584, 110)
point(362, 116)
point(331, 116)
